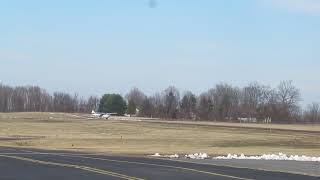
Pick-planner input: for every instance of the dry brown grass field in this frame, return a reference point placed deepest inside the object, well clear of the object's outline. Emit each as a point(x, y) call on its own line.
point(78, 133)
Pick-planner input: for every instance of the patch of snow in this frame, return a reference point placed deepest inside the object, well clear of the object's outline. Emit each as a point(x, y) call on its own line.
point(173, 156)
point(156, 155)
point(197, 156)
point(167, 156)
point(280, 156)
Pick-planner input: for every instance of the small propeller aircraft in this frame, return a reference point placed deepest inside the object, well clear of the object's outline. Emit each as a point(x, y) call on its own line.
point(102, 115)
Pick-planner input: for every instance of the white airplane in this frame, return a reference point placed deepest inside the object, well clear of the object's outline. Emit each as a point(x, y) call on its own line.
point(101, 115)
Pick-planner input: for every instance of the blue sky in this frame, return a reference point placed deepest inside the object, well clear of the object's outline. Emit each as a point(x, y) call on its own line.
point(98, 46)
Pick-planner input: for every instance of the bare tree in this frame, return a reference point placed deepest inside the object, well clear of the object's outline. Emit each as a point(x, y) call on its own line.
point(19, 98)
point(63, 102)
point(171, 102)
point(136, 96)
point(188, 105)
point(204, 107)
point(33, 98)
point(288, 97)
point(254, 101)
point(46, 101)
point(157, 104)
point(225, 101)
point(6, 94)
point(312, 113)
point(147, 108)
point(92, 104)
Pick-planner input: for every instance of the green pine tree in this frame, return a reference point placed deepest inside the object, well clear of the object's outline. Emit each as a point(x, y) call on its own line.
point(113, 103)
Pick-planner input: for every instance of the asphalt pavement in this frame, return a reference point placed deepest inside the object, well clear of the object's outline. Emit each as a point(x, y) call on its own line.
point(27, 164)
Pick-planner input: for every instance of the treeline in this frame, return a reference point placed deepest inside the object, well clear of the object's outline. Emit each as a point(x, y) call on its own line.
point(36, 99)
point(254, 102)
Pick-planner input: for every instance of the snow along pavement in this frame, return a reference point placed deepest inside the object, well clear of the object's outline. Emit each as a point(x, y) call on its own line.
point(197, 156)
point(167, 156)
point(280, 156)
point(191, 156)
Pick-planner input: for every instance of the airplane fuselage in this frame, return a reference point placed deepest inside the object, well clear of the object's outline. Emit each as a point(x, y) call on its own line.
point(100, 115)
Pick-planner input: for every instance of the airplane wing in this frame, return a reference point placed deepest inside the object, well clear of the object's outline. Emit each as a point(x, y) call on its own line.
point(102, 114)
point(112, 113)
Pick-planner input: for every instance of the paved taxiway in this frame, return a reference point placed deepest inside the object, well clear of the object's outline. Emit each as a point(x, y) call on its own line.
point(51, 165)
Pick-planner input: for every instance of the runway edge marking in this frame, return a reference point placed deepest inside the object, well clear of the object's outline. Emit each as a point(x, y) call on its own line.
point(86, 168)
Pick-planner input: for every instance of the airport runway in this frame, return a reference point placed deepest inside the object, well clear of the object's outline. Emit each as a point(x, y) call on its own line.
point(25, 164)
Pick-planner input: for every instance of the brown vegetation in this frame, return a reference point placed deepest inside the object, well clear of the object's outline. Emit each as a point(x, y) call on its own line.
point(76, 132)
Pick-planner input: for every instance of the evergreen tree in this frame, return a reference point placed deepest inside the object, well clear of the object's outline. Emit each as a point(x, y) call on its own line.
point(113, 103)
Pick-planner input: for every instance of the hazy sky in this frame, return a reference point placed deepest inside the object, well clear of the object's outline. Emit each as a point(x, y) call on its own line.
point(98, 46)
